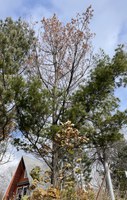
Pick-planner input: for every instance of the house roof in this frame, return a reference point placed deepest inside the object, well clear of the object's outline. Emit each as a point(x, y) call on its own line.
point(31, 163)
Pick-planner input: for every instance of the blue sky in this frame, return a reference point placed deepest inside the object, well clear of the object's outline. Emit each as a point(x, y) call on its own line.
point(109, 20)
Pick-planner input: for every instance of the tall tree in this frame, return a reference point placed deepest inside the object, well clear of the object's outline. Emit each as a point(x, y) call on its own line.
point(95, 109)
point(58, 64)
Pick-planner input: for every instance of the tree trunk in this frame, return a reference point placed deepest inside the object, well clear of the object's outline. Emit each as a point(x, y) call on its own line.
point(109, 181)
point(55, 167)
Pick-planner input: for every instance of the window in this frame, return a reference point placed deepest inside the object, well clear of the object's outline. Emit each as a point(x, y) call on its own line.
point(25, 190)
point(21, 191)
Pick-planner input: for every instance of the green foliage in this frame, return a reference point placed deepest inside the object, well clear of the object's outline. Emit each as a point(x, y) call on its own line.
point(98, 93)
point(94, 107)
point(35, 173)
point(118, 168)
point(32, 103)
point(15, 41)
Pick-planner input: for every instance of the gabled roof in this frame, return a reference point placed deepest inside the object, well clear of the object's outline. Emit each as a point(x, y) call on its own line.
point(31, 163)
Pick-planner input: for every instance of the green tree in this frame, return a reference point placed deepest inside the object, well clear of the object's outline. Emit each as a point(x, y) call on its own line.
point(15, 41)
point(118, 167)
point(95, 109)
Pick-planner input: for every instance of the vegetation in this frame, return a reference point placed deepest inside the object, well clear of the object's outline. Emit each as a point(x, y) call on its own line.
point(15, 41)
point(61, 98)
point(57, 65)
point(69, 192)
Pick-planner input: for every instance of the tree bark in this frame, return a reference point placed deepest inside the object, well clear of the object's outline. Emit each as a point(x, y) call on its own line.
point(55, 167)
point(109, 181)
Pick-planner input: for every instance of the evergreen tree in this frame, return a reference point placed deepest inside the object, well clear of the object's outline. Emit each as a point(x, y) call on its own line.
point(15, 42)
point(95, 109)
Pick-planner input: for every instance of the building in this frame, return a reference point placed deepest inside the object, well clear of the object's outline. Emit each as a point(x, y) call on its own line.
point(21, 180)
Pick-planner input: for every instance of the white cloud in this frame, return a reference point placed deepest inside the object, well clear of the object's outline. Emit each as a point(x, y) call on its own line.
point(108, 20)
point(109, 17)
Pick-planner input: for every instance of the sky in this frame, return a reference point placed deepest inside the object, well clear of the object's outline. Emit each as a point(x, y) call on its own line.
point(109, 21)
